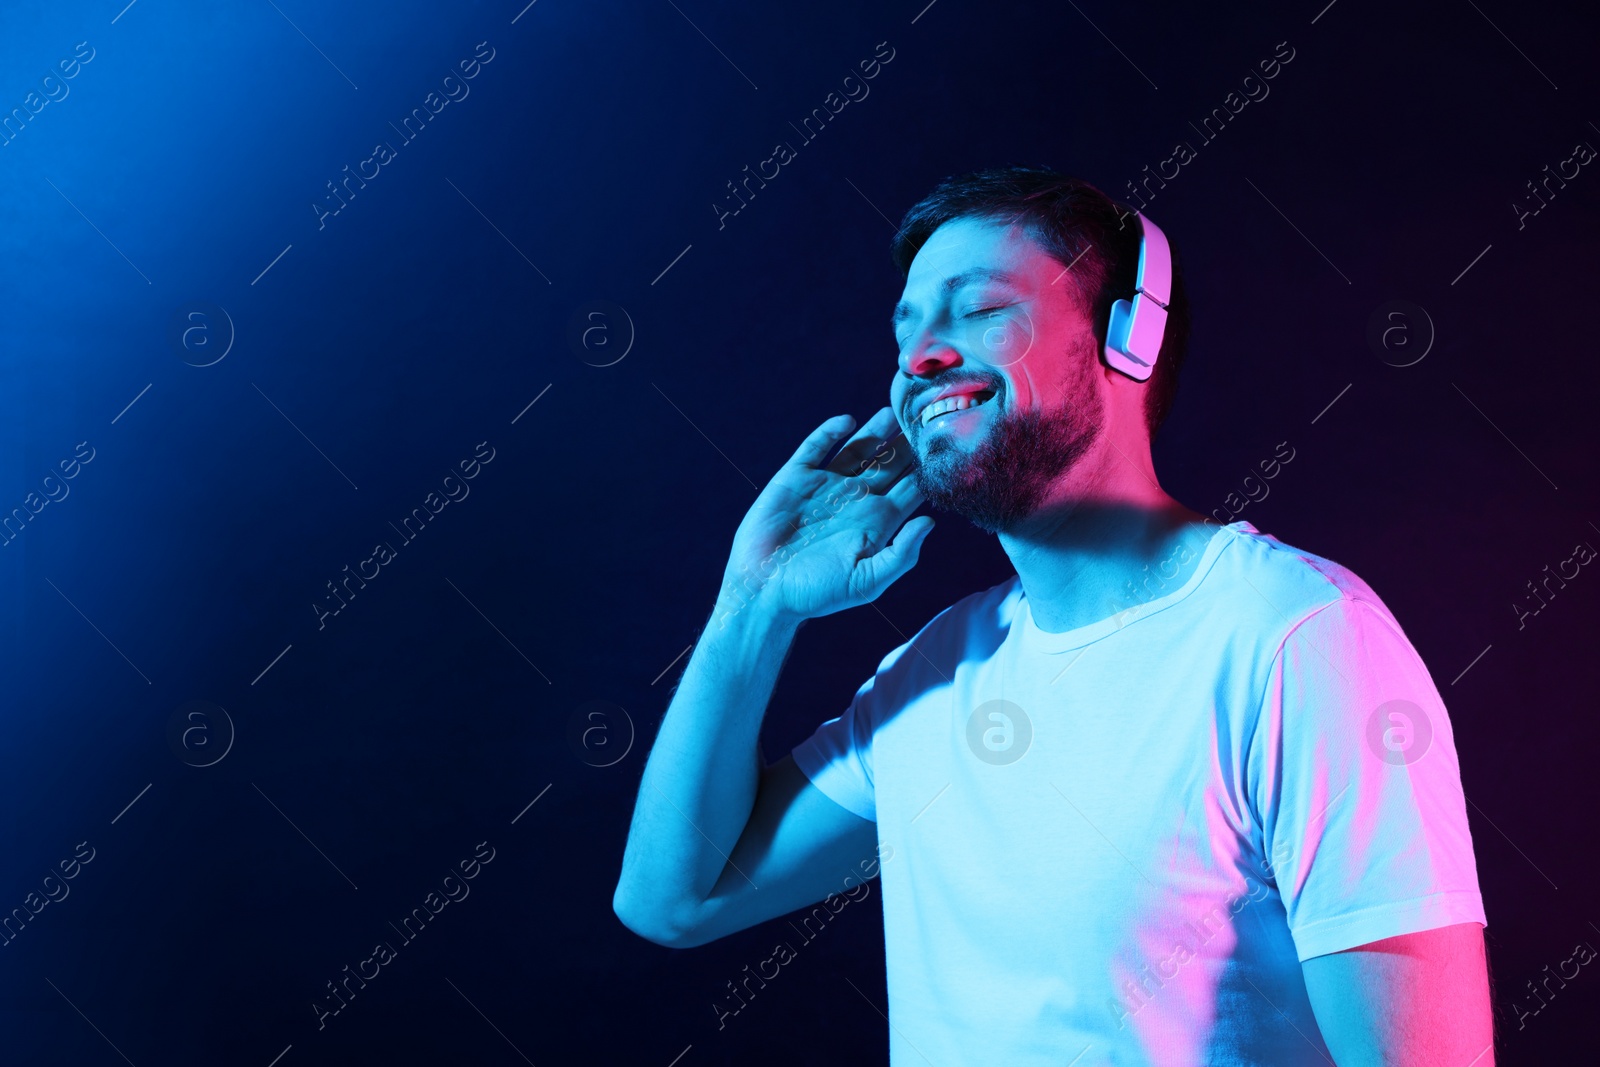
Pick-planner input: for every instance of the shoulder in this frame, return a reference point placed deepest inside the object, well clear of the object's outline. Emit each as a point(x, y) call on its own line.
point(971, 628)
point(1333, 655)
point(1276, 588)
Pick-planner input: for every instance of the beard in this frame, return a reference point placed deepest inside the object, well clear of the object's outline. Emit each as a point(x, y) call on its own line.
point(1009, 475)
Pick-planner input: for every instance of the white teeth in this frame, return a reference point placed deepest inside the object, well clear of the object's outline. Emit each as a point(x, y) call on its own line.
point(953, 403)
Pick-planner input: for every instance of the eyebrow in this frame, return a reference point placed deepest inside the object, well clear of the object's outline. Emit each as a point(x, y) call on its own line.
point(903, 310)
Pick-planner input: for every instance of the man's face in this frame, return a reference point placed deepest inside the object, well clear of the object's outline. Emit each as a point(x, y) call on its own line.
point(987, 313)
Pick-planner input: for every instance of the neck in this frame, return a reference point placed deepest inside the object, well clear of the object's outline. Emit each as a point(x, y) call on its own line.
point(1085, 556)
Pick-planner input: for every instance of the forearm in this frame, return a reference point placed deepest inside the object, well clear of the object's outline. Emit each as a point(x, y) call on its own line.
point(700, 781)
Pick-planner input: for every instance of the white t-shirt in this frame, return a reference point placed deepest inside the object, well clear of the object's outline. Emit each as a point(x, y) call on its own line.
point(1124, 838)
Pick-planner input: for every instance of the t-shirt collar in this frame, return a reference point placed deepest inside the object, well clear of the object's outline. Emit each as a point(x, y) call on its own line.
point(1034, 639)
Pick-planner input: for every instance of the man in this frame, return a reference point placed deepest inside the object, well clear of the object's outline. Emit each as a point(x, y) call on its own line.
point(1176, 794)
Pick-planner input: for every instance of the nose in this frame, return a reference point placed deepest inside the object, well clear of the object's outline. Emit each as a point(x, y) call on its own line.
point(928, 355)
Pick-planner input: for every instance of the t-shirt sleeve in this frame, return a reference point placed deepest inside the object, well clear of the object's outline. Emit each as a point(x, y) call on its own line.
point(837, 757)
point(1355, 780)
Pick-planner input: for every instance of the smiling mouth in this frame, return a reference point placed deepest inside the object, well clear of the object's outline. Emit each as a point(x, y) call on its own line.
point(950, 406)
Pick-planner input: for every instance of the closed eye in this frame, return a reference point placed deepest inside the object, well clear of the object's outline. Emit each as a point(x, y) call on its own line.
point(985, 311)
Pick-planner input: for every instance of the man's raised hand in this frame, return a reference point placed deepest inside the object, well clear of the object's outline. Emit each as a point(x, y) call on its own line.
point(818, 538)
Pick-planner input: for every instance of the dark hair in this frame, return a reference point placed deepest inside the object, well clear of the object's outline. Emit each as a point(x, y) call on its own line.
point(1076, 224)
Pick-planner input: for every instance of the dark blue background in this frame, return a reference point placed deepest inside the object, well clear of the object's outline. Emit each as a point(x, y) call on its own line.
point(415, 324)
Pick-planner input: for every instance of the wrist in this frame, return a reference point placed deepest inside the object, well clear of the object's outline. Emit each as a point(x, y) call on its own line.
point(750, 601)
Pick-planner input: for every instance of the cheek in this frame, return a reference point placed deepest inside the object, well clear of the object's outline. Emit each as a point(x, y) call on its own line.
point(897, 400)
point(1024, 392)
point(1058, 369)
point(1003, 342)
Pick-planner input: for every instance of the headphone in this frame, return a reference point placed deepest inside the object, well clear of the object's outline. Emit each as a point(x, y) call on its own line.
point(1133, 335)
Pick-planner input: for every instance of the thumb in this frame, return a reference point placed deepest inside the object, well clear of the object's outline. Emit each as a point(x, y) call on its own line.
point(899, 556)
point(912, 538)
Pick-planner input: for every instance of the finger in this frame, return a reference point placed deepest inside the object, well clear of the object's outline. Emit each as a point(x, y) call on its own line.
point(905, 495)
point(821, 441)
point(889, 461)
point(886, 567)
point(886, 468)
point(857, 452)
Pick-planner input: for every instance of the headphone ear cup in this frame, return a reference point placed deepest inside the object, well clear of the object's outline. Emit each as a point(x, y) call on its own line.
point(1117, 331)
point(1118, 336)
